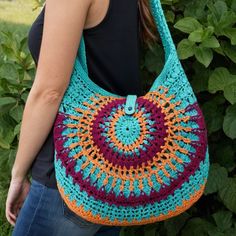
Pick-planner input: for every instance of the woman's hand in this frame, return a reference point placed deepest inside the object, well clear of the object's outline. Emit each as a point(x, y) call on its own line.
point(17, 193)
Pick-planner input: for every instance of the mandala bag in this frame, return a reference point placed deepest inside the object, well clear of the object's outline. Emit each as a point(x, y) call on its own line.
point(128, 160)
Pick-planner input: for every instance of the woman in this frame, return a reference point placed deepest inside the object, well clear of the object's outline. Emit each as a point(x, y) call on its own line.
point(111, 33)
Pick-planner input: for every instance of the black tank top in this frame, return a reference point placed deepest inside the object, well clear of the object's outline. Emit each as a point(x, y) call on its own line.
point(112, 51)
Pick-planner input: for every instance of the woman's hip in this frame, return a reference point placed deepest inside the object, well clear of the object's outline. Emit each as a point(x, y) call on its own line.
point(45, 213)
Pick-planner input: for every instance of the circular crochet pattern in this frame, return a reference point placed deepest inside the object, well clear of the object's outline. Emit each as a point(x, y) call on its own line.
point(128, 140)
point(118, 169)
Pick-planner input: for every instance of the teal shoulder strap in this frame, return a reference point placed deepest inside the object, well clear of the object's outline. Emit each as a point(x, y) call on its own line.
point(82, 54)
point(162, 27)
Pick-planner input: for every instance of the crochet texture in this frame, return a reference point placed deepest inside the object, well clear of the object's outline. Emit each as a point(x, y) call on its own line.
point(115, 168)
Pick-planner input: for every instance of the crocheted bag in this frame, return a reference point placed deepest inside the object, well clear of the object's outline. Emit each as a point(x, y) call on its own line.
point(131, 160)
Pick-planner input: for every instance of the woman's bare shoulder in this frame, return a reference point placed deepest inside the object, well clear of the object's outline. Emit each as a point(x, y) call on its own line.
point(63, 25)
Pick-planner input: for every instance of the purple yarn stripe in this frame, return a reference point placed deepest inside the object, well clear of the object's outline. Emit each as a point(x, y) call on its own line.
point(152, 148)
point(85, 185)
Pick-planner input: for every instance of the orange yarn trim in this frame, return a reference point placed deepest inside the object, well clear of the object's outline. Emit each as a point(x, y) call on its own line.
point(159, 160)
point(88, 215)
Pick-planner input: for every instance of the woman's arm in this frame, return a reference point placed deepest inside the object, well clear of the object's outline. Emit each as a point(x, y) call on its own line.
point(63, 24)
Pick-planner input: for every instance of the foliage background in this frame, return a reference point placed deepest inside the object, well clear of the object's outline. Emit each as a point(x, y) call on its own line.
point(204, 32)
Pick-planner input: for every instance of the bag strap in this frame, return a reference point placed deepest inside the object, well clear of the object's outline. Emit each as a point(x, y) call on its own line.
point(82, 54)
point(162, 27)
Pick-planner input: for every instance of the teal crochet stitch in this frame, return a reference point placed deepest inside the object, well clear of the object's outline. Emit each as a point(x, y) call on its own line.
point(127, 160)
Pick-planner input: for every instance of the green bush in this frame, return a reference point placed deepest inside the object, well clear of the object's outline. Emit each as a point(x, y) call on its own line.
point(16, 73)
point(205, 36)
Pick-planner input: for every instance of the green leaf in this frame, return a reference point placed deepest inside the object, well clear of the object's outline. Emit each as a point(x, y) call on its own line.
point(185, 49)
point(216, 179)
point(196, 35)
point(9, 71)
point(203, 55)
point(197, 227)
point(221, 7)
point(27, 77)
point(17, 112)
point(218, 9)
point(175, 224)
point(218, 15)
point(228, 194)
point(23, 43)
point(208, 32)
point(6, 103)
point(219, 51)
point(219, 79)
point(229, 124)
point(4, 86)
point(200, 35)
point(228, 19)
point(28, 63)
point(6, 163)
point(27, 83)
point(212, 20)
point(215, 232)
point(231, 34)
point(6, 132)
point(24, 96)
point(17, 129)
point(225, 154)
point(223, 219)
point(187, 25)
point(170, 16)
point(211, 42)
point(213, 114)
point(233, 5)
point(229, 50)
point(194, 8)
point(230, 92)
point(8, 51)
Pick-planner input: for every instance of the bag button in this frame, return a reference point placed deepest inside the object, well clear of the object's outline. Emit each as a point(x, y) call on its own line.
point(130, 104)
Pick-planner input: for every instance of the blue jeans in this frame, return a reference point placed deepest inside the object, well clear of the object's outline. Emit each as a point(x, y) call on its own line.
point(45, 214)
